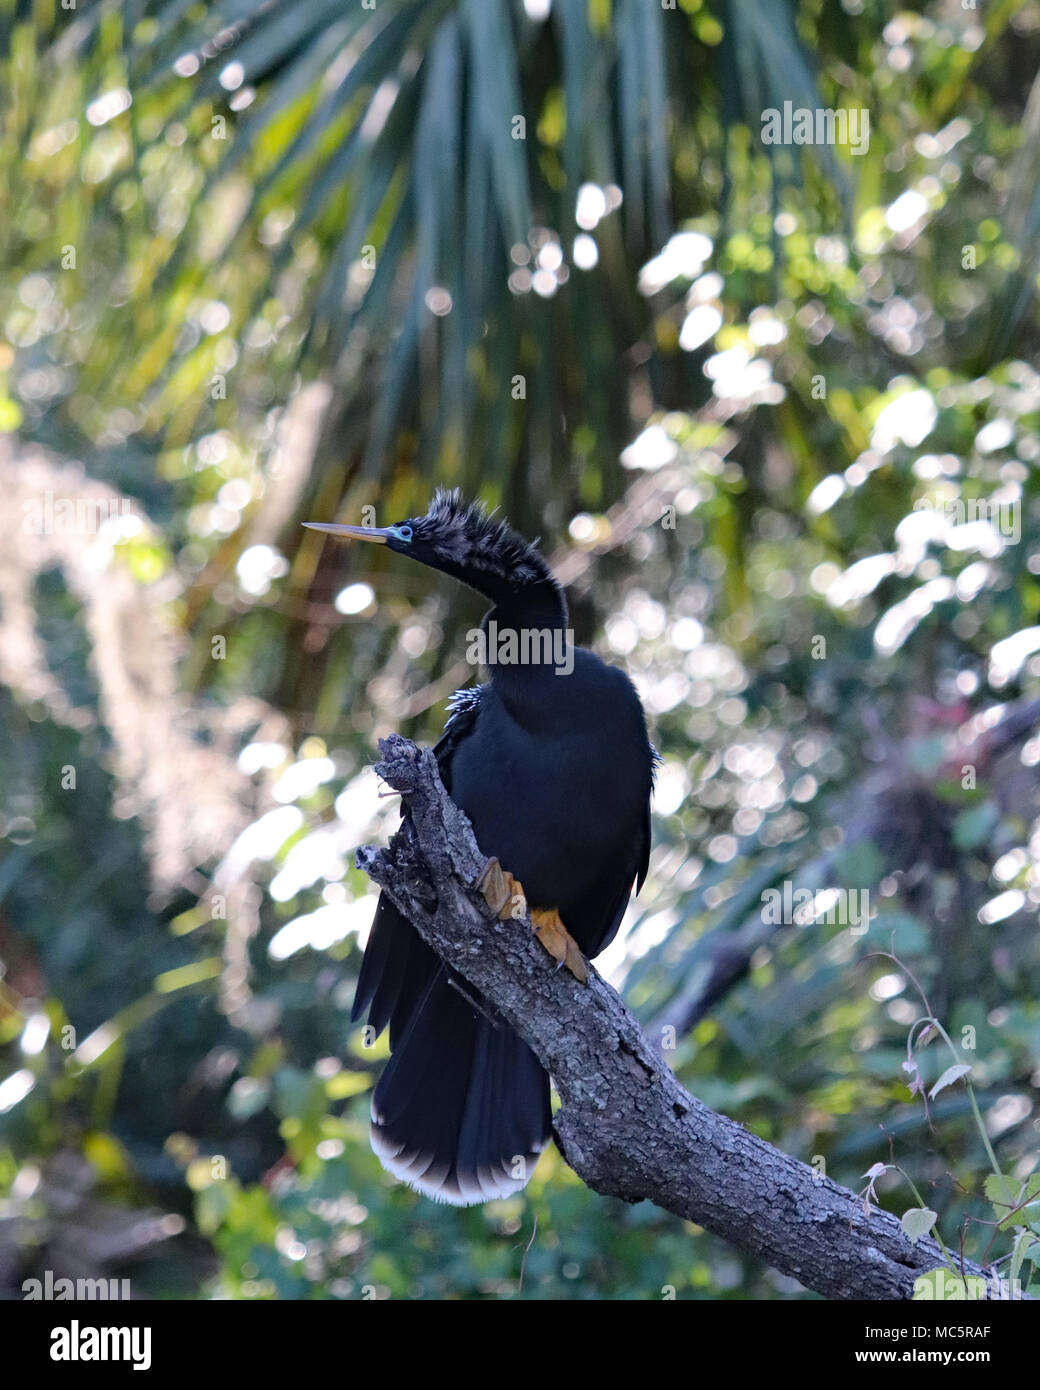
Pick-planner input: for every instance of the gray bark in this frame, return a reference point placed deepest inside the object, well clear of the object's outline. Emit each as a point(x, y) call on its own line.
point(626, 1126)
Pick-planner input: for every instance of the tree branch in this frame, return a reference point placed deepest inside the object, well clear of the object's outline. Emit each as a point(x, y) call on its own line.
point(626, 1125)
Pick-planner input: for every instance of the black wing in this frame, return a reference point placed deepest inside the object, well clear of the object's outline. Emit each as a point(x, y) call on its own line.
point(641, 863)
point(398, 965)
point(644, 853)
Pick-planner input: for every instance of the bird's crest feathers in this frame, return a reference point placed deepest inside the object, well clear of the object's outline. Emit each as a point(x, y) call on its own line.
point(467, 535)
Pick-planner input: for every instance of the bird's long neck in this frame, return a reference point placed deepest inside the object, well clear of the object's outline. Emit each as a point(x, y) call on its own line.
point(539, 605)
point(525, 642)
point(528, 644)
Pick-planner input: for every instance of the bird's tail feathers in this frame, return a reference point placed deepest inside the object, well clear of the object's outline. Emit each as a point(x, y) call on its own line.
point(462, 1111)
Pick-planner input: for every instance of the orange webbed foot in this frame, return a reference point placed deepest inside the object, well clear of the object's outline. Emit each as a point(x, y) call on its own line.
point(505, 896)
point(503, 893)
point(557, 940)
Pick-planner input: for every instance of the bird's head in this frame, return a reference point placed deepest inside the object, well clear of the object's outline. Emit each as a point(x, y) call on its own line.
point(462, 539)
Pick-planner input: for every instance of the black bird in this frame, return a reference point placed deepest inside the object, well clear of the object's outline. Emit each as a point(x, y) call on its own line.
point(551, 762)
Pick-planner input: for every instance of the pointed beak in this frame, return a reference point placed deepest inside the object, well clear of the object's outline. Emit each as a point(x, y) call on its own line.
point(377, 534)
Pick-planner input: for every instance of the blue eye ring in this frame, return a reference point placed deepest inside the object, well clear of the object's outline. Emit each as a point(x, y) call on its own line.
point(403, 533)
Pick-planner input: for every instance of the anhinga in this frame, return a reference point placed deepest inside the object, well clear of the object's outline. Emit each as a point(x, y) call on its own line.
point(551, 762)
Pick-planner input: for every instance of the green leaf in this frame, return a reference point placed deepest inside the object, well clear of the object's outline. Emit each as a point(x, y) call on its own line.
point(1013, 1202)
point(949, 1076)
point(917, 1222)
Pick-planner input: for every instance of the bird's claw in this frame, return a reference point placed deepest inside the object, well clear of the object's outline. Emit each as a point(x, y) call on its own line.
point(503, 893)
point(557, 940)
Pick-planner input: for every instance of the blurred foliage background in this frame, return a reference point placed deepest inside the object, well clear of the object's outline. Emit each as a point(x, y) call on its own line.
point(774, 411)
